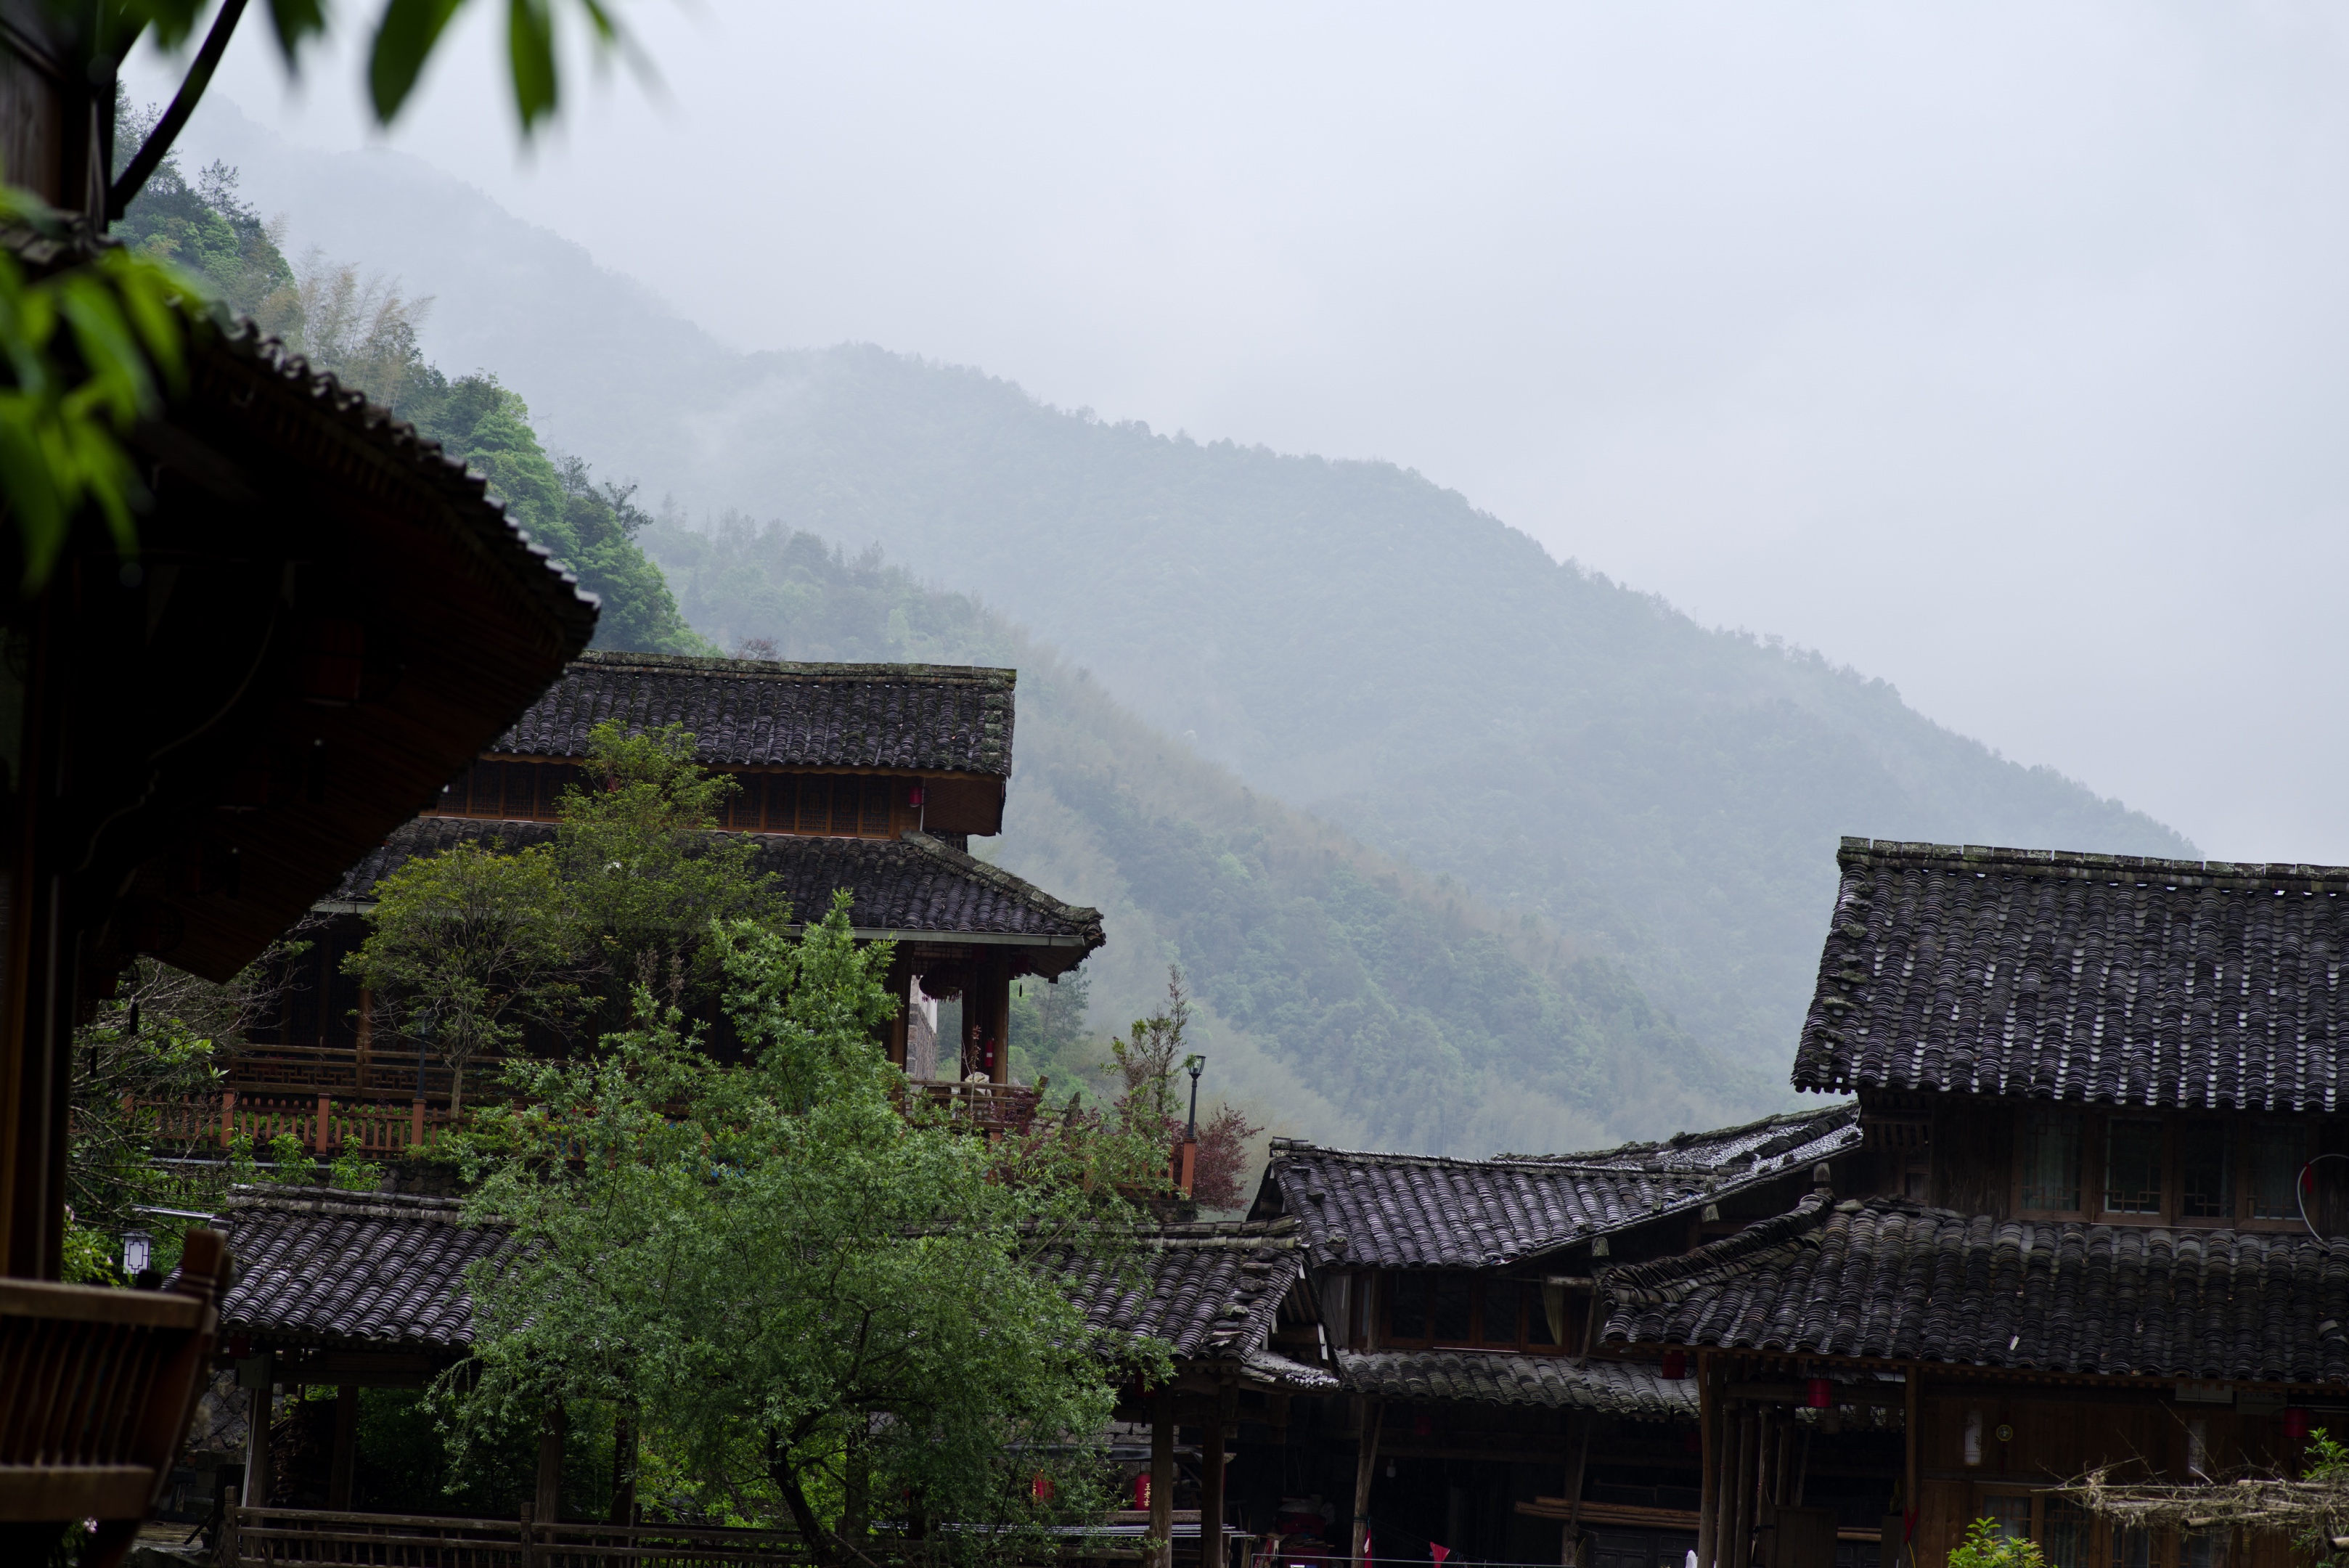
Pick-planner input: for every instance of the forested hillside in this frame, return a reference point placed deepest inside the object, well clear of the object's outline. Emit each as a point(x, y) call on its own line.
point(361, 328)
point(1355, 640)
point(1345, 997)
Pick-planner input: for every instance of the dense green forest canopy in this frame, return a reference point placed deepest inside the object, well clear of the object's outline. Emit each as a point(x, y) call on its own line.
point(363, 331)
point(1346, 996)
point(1358, 642)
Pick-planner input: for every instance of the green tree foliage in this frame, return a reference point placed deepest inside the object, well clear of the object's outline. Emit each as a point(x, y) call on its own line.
point(1988, 1546)
point(820, 1310)
point(1153, 1061)
point(467, 948)
point(1363, 1001)
point(161, 1037)
point(203, 225)
point(590, 527)
point(1048, 1029)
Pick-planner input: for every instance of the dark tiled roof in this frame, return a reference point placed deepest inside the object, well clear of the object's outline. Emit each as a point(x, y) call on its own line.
point(2102, 978)
point(1211, 1291)
point(915, 886)
point(355, 1271)
point(1890, 1280)
point(1417, 1211)
point(753, 713)
point(1543, 1382)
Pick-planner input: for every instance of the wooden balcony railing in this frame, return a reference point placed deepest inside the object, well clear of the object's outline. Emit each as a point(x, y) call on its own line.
point(984, 1108)
point(345, 1073)
point(304, 1538)
point(214, 1121)
point(95, 1390)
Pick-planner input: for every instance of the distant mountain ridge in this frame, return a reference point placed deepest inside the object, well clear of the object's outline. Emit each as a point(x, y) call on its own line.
point(1345, 636)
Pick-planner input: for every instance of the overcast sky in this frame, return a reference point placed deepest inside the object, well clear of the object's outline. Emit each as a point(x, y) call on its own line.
point(1995, 349)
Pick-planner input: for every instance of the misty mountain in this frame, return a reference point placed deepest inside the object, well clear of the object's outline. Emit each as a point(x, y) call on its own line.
point(1342, 996)
point(1345, 636)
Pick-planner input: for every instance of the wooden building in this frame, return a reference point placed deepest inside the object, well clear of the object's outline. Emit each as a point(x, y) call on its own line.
point(872, 778)
point(2096, 1220)
point(1455, 1301)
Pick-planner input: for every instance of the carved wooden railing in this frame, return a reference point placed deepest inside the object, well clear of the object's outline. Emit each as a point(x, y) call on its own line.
point(95, 1390)
point(215, 1121)
point(304, 1538)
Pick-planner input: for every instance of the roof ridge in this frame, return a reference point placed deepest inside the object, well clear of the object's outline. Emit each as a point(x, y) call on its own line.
point(245, 1197)
point(800, 670)
point(2079, 862)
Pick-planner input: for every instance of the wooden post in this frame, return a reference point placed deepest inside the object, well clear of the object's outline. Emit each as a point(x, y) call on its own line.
point(623, 1466)
point(1211, 1490)
point(227, 1116)
point(416, 1122)
point(346, 1435)
point(901, 986)
point(256, 1435)
point(1366, 1463)
point(549, 1507)
point(1571, 1532)
point(1912, 1508)
point(1708, 1425)
point(1741, 1518)
point(323, 1137)
point(1162, 1474)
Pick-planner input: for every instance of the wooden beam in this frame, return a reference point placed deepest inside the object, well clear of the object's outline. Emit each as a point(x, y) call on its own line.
point(1911, 1507)
point(1740, 1511)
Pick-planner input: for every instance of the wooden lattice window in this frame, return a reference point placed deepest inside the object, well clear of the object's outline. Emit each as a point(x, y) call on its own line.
point(873, 820)
point(815, 805)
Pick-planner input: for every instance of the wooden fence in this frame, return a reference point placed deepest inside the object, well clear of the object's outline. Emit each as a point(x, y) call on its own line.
point(304, 1538)
point(377, 1071)
point(321, 1123)
point(985, 1108)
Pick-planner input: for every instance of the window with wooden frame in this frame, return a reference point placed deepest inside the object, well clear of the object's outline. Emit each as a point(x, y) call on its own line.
point(1466, 1311)
point(2139, 1167)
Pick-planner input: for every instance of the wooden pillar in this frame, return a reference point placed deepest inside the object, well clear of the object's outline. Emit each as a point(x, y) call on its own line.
point(1570, 1532)
point(623, 1466)
point(1740, 1516)
point(322, 1134)
point(1708, 1425)
point(1366, 1463)
point(1912, 1508)
point(549, 1504)
point(1211, 1490)
point(1162, 1474)
point(256, 1435)
point(900, 984)
point(987, 1015)
point(346, 1443)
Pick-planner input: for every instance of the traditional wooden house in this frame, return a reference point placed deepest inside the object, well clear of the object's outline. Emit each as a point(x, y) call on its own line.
point(870, 777)
point(367, 1289)
point(1456, 1300)
point(2097, 1220)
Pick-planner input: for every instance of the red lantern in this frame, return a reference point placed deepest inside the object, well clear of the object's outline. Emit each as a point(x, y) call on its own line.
point(1822, 1394)
point(1675, 1366)
point(1142, 1492)
point(1423, 1426)
point(2295, 1425)
point(1039, 1487)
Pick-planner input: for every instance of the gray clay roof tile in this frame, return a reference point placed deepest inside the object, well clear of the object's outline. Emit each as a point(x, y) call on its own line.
point(916, 885)
point(750, 712)
point(1420, 1211)
point(1539, 1382)
point(316, 1266)
point(2101, 979)
point(1887, 1278)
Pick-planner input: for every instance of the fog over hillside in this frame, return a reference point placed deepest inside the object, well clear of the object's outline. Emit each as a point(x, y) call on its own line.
point(1344, 635)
